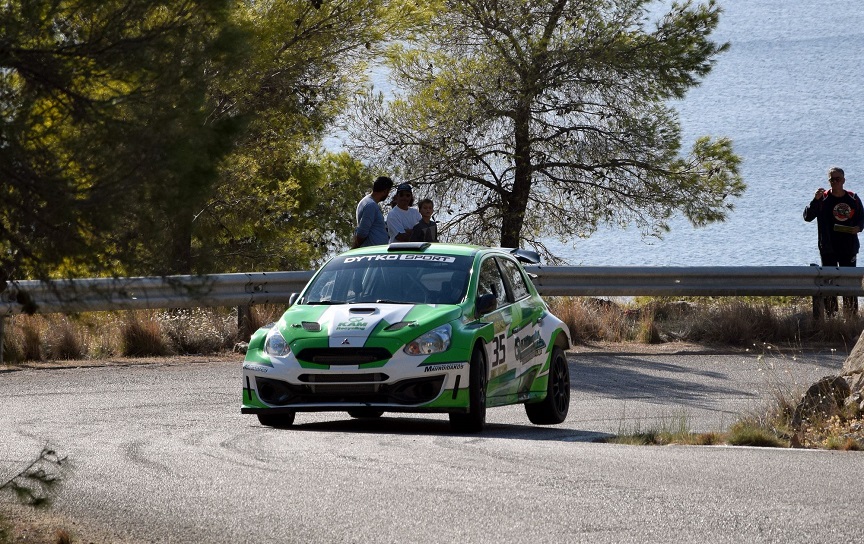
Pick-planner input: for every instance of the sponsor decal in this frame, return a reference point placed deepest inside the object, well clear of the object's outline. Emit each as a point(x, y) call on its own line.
point(371, 258)
point(529, 347)
point(445, 366)
point(392, 257)
point(254, 368)
point(356, 323)
point(428, 258)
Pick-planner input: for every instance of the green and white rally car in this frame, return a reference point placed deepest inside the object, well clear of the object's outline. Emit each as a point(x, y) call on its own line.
point(413, 327)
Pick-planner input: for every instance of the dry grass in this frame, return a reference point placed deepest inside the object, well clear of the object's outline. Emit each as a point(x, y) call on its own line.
point(726, 321)
point(715, 321)
point(142, 333)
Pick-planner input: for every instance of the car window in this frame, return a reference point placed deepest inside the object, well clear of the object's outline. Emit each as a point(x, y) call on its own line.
point(515, 278)
point(490, 281)
point(391, 277)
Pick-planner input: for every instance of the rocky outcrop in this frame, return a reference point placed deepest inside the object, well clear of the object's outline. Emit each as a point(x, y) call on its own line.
point(835, 394)
point(855, 362)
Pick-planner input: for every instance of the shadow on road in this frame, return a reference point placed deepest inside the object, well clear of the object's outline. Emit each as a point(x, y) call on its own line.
point(614, 377)
point(420, 426)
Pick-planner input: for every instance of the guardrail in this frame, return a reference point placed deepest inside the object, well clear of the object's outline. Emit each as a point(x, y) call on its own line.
point(246, 289)
point(699, 281)
point(101, 294)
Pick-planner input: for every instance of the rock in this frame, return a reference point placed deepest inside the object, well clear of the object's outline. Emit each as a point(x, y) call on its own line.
point(855, 381)
point(855, 362)
point(854, 404)
point(824, 399)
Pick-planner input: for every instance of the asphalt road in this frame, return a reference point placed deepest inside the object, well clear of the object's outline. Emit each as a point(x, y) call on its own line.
point(160, 453)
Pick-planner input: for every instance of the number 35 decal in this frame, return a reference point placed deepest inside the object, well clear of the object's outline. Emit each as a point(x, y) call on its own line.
point(499, 350)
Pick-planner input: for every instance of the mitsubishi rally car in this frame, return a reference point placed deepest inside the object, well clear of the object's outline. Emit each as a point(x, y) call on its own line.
point(412, 327)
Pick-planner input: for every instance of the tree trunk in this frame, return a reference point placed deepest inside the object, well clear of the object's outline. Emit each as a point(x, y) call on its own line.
point(516, 202)
point(181, 242)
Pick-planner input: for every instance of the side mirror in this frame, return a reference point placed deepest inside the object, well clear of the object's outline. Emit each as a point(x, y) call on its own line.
point(293, 298)
point(486, 303)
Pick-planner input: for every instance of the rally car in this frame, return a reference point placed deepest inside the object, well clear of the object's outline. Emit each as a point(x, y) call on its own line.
point(412, 327)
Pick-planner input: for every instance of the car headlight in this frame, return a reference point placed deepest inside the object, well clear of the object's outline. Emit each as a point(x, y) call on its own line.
point(275, 345)
point(434, 341)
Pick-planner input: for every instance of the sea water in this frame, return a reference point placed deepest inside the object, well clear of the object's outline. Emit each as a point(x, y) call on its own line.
point(789, 93)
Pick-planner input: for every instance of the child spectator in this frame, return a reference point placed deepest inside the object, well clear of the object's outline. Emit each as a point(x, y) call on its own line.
point(426, 230)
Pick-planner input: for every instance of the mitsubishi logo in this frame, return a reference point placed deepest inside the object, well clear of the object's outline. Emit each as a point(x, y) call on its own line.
point(346, 341)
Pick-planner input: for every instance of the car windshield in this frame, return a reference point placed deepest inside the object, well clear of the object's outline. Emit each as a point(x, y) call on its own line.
point(391, 278)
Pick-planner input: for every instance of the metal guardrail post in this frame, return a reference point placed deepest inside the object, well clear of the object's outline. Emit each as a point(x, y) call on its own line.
point(244, 320)
point(818, 304)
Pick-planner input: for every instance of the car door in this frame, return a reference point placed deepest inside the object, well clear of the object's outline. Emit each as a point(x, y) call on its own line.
point(529, 348)
point(500, 350)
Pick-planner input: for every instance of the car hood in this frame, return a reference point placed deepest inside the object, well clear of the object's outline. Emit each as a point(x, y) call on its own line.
point(356, 322)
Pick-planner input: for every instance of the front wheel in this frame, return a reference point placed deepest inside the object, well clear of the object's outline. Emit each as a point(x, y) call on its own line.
point(553, 409)
point(475, 419)
point(279, 421)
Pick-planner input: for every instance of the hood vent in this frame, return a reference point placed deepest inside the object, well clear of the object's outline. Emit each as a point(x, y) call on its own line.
point(311, 326)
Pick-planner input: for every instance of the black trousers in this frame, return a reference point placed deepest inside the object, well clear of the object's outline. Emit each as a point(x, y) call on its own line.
point(850, 304)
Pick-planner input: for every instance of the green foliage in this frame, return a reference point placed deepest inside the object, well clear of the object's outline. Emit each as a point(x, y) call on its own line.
point(281, 202)
point(750, 433)
point(548, 119)
point(286, 218)
point(105, 129)
point(130, 124)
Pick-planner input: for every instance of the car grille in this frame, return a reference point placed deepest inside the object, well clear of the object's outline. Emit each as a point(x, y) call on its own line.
point(342, 378)
point(343, 356)
point(403, 392)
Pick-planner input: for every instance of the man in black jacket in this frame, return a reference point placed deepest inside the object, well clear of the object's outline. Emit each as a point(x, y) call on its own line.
point(839, 218)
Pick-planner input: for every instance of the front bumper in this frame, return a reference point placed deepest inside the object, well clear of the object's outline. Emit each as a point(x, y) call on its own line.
point(430, 388)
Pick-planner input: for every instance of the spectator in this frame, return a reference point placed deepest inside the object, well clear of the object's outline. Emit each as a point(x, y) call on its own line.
point(839, 218)
point(426, 230)
point(371, 228)
point(403, 217)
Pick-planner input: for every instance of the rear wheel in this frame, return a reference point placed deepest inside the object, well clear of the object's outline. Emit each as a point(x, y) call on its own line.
point(475, 419)
point(553, 409)
point(279, 421)
point(365, 413)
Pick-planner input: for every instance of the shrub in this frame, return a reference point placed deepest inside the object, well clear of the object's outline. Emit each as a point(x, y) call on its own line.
point(198, 331)
point(748, 432)
point(143, 337)
point(261, 315)
point(63, 340)
point(593, 319)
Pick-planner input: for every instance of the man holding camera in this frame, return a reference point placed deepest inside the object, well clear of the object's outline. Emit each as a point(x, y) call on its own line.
point(839, 218)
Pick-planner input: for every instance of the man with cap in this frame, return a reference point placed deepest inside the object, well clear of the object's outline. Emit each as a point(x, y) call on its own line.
point(839, 218)
point(371, 227)
point(403, 217)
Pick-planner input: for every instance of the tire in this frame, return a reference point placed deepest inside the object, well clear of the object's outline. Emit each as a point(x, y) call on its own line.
point(365, 413)
point(279, 421)
point(475, 419)
point(553, 409)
